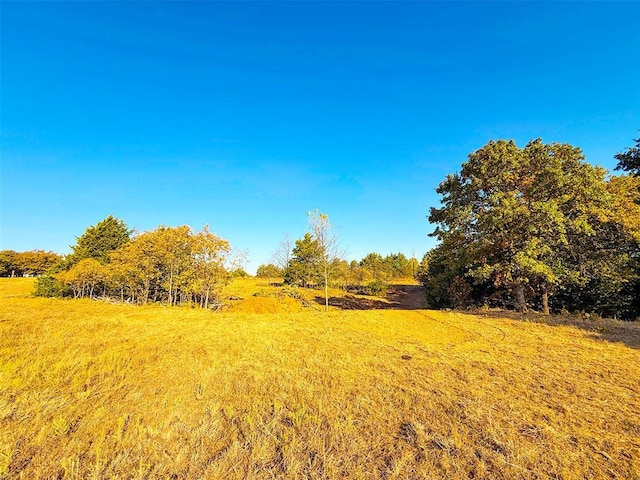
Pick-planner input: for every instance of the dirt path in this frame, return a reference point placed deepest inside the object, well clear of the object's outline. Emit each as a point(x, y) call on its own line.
point(408, 297)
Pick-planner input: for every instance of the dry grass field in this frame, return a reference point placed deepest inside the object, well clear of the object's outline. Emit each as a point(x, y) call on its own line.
point(94, 390)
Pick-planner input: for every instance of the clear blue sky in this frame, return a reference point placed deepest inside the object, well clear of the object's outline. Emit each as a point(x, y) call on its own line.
point(244, 116)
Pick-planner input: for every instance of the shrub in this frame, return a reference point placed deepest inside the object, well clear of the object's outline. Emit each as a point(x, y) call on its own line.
point(376, 288)
point(48, 286)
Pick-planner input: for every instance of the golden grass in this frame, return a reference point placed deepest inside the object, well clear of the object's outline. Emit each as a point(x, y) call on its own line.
point(94, 390)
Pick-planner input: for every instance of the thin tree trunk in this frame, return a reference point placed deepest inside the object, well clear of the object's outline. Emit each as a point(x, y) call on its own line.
point(326, 289)
point(520, 300)
point(545, 299)
point(170, 286)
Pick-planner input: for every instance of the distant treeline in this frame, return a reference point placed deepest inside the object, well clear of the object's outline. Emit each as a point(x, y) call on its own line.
point(369, 276)
point(27, 264)
point(538, 227)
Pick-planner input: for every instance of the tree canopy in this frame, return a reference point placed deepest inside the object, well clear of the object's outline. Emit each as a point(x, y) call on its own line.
point(173, 265)
point(304, 268)
point(99, 240)
point(34, 262)
point(629, 160)
point(520, 220)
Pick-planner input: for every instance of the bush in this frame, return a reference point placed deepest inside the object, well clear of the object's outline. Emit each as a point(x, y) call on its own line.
point(269, 271)
point(377, 288)
point(48, 286)
point(239, 273)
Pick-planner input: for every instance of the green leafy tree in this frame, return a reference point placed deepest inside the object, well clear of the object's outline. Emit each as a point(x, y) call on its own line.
point(398, 265)
point(422, 270)
point(341, 273)
point(629, 160)
point(375, 265)
point(444, 266)
point(48, 286)
point(172, 249)
point(138, 267)
point(305, 267)
point(99, 240)
point(269, 271)
point(359, 276)
point(609, 261)
point(413, 267)
point(515, 211)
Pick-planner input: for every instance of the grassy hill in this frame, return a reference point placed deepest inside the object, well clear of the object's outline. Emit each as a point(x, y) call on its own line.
point(94, 390)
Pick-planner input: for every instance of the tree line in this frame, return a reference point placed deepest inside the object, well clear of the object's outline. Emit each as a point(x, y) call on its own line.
point(172, 265)
point(534, 227)
point(30, 264)
point(537, 227)
point(316, 260)
point(360, 276)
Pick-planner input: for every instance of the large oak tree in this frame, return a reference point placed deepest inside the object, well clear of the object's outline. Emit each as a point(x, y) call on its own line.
point(515, 212)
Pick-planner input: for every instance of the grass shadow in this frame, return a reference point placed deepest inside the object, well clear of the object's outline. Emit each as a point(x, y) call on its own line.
point(408, 297)
point(616, 331)
point(351, 302)
point(398, 297)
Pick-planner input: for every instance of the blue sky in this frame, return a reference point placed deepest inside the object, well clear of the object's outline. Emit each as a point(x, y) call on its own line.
point(245, 116)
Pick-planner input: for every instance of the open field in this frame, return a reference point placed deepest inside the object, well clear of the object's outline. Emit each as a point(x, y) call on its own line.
point(94, 390)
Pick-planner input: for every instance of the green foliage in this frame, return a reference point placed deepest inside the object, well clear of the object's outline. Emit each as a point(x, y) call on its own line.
point(305, 268)
point(460, 292)
point(239, 273)
point(48, 286)
point(100, 240)
point(629, 161)
point(269, 271)
point(170, 264)
point(398, 266)
point(514, 212)
point(446, 267)
point(375, 265)
point(393, 266)
point(516, 224)
point(340, 273)
point(377, 288)
point(422, 271)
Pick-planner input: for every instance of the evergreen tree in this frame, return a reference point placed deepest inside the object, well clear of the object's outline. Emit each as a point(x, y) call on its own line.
point(98, 241)
point(305, 267)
